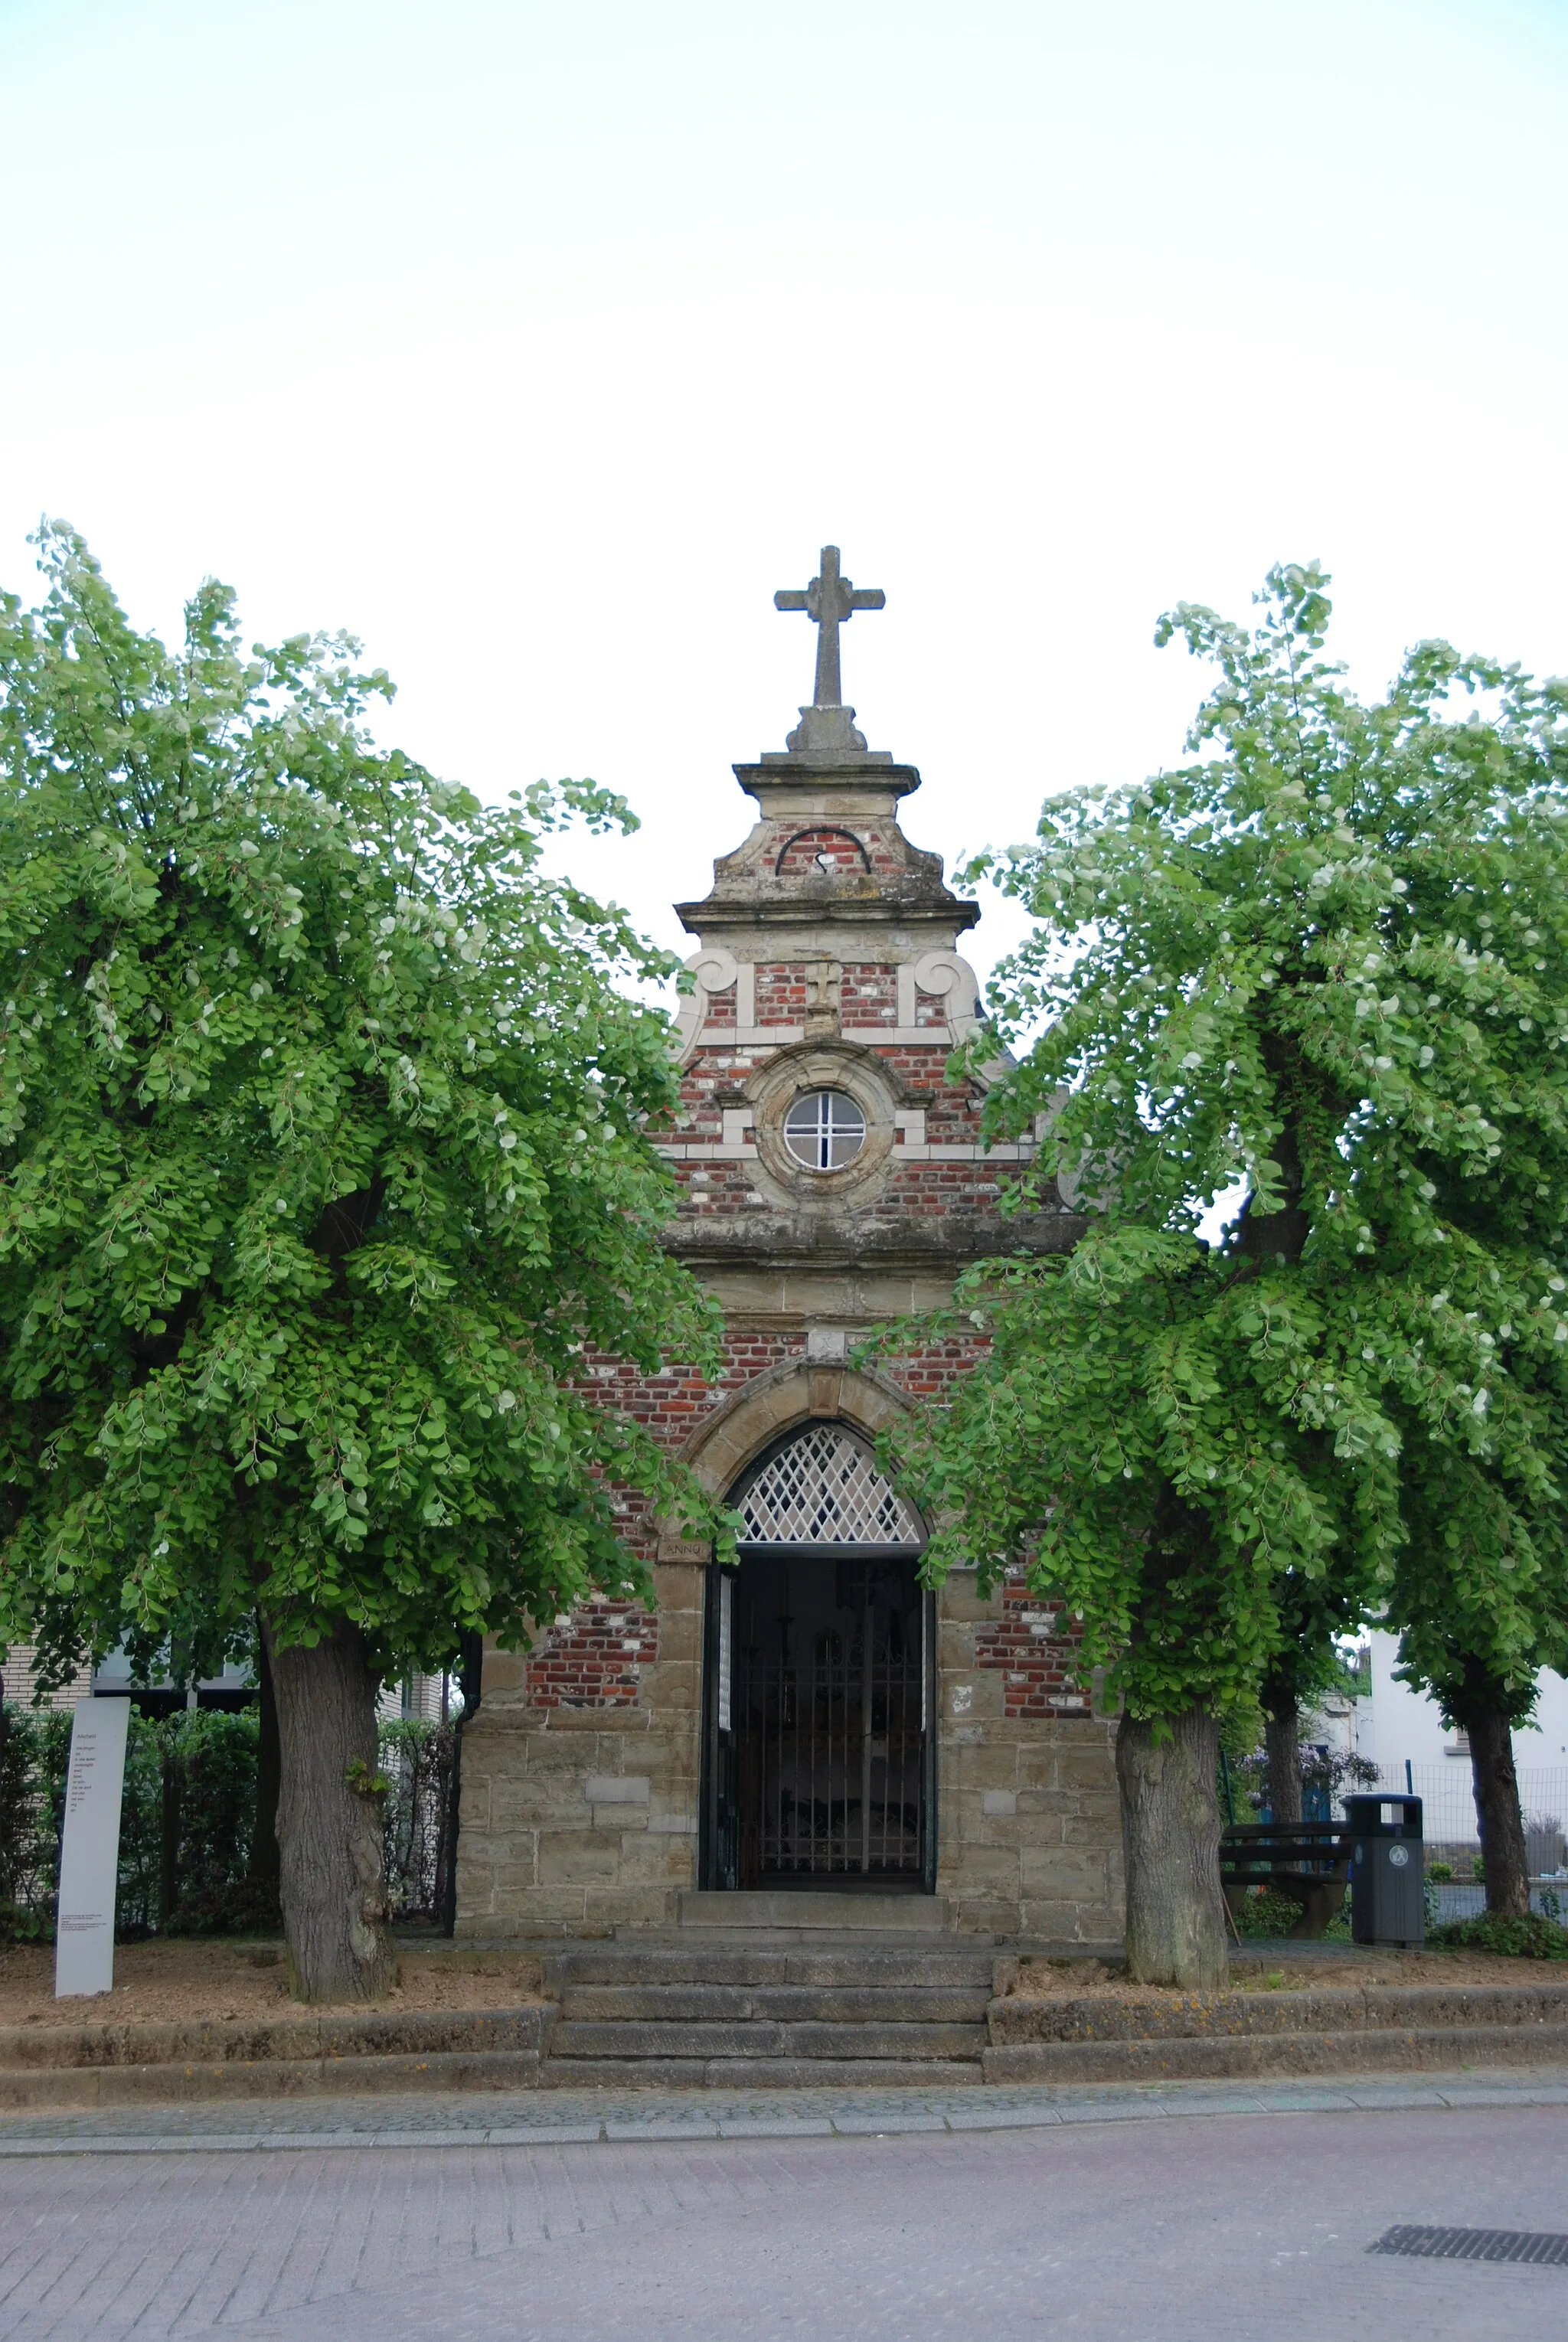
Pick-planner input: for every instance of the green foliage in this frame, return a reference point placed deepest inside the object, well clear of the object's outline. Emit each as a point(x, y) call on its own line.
point(239, 1906)
point(216, 1754)
point(138, 1891)
point(1439, 1871)
point(1325, 962)
point(211, 1757)
point(34, 1746)
point(1533, 1938)
point(323, 1162)
point(1264, 1916)
point(1267, 1916)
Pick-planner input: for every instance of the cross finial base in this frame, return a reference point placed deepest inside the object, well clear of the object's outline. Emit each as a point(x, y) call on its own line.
point(825, 731)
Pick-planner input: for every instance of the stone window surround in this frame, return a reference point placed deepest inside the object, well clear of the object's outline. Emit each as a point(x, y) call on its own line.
point(791, 1073)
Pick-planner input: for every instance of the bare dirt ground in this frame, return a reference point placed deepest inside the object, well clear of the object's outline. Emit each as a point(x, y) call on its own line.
point(190, 1980)
point(1355, 1970)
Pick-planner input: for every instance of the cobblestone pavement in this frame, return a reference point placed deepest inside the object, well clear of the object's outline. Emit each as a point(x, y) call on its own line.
point(1089, 2214)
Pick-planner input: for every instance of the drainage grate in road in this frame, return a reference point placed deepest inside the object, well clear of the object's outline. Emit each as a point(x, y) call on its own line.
point(1475, 2245)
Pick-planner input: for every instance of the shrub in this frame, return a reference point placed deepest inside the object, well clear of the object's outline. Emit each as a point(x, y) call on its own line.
point(1533, 1938)
point(187, 1819)
point(1439, 1872)
point(245, 1907)
point(1266, 1914)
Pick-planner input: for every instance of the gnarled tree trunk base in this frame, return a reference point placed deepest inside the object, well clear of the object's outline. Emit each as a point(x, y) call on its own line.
point(329, 1819)
point(1170, 1833)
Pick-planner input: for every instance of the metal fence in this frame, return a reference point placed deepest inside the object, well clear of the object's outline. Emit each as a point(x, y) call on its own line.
point(417, 1759)
point(1448, 1809)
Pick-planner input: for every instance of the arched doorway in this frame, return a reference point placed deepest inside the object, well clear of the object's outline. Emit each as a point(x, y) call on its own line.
point(818, 1698)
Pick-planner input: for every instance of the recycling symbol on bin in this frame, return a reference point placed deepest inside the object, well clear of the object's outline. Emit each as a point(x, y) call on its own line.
point(1398, 1856)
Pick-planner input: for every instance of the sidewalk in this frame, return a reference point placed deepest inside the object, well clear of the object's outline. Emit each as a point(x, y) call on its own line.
point(527, 2119)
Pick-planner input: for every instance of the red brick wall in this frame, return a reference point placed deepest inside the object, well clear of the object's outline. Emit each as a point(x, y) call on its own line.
point(868, 995)
point(594, 1659)
point(798, 857)
point(586, 1662)
point(1040, 1666)
point(780, 993)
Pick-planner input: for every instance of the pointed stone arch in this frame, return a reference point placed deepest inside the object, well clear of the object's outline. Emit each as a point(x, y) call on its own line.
point(753, 1419)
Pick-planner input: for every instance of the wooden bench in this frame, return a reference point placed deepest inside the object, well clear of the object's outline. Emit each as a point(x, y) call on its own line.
point(1308, 1862)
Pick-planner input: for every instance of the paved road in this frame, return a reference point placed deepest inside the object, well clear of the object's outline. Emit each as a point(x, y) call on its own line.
point(1122, 2224)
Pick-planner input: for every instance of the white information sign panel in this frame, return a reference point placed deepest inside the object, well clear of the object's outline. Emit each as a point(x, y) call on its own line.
point(90, 1849)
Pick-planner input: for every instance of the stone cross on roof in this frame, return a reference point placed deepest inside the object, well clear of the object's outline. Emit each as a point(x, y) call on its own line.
point(830, 601)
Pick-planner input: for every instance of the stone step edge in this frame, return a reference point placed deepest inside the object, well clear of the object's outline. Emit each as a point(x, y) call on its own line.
point(296, 2038)
point(759, 2073)
point(596, 2040)
point(804, 1974)
point(1277, 2055)
point(89, 2087)
point(769, 2004)
point(1269, 2057)
point(1019, 2021)
point(525, 2027)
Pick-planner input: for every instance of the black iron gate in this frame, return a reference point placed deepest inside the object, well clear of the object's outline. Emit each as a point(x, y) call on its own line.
point(819, 1724)
point(818, 1681)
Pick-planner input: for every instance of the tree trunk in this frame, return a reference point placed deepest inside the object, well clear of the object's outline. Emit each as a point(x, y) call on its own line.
point(264, 1854)
point(1503, 1854)
point(1171, 1832)
point(329, 1818)
point(1282, 1743)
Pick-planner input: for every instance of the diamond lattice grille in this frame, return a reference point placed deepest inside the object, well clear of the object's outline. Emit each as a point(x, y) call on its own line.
point(824, 1489)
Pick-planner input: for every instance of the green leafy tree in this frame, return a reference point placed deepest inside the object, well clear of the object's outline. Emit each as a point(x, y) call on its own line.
point(1322, 964)
point(322, 1164)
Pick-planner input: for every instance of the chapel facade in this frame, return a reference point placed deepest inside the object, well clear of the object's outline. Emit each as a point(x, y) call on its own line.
point(813, 1719)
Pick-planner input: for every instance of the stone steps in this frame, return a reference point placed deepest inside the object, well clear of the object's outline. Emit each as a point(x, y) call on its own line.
point(780, 2004)
point(759, 2073)
point(771, 2016)
point(610, 2037)
point(816, 1910)
point(747, 2015)
point(823, 1967)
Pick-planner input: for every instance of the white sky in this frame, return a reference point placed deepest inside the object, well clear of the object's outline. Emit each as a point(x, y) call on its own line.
point(538, 344)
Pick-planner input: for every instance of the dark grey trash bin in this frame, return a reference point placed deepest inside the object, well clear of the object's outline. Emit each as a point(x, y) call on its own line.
point(1387, 1905)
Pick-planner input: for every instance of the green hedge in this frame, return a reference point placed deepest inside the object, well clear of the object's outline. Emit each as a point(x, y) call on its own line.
point(186, 1818)
point(187, 1821)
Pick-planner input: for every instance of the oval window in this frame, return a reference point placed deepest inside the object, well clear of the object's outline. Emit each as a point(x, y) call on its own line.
point(825, 1130)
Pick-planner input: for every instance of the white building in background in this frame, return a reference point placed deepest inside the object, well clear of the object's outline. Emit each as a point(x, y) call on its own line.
point(1404, 1724)
point(1400, 1731)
